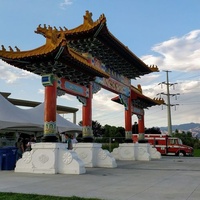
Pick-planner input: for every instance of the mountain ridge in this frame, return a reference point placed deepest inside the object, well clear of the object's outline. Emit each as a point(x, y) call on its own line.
point(192, 127)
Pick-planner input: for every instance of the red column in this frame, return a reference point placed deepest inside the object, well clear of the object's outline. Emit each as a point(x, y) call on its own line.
point(141, 128)
point(50, 112)
point(87, 118)
point(128, 122)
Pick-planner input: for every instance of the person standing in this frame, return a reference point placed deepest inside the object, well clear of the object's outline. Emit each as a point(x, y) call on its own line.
point(68, 141)
point(20, 148)
point(32, 141)
point(74, 140)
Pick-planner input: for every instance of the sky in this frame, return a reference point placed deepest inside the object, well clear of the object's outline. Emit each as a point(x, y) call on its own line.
point(165, 33)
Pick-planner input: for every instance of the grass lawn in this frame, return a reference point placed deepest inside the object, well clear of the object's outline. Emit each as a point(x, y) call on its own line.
point(196, 152)
point(19, 196)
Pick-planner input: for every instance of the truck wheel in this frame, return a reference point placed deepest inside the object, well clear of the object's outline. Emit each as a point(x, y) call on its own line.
point(181, 153)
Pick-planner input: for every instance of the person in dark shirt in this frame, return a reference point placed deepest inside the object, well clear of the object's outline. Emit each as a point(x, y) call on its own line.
point(20, 148)
point(68, 141)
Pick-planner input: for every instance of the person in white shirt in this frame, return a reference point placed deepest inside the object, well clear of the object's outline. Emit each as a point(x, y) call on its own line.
point(74, 140)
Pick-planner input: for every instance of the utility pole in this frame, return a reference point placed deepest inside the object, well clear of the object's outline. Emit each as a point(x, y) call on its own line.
point(168, 101)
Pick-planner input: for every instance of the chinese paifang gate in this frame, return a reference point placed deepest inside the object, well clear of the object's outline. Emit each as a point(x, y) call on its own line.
point(79, 62)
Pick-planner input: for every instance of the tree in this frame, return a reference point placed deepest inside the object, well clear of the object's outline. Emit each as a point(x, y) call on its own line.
point(121, 130)
point(153, 130)
point(107, 132)
point(117, 134)
point(187, 139)
point(96, 127)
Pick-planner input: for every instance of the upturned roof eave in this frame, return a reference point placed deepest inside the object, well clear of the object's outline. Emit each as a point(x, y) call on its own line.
point(150, 103)
point(23, 57)
point(89, 32)
point(100, 32)
point(136, 93)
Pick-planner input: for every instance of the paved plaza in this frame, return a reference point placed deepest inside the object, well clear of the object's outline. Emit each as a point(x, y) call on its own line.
point(168, 178)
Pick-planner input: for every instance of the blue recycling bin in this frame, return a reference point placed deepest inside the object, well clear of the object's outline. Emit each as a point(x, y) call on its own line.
point(8, 158)
point(2, 155)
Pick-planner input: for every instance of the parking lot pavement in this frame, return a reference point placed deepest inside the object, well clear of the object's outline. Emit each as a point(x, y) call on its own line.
point(164, 179)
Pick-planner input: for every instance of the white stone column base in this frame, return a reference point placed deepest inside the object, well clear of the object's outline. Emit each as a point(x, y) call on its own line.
point(143, 152)
point(94, 156)
point(154, 153)
point(125, 151)
point(50, 158)
point(135, 151)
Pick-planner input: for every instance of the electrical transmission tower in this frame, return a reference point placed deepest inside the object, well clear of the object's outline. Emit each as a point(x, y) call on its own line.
point(168, 101)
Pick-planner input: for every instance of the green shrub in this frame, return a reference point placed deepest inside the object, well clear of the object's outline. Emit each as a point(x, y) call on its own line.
point(110, 146)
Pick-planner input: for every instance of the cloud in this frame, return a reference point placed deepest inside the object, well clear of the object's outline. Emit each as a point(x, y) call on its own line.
point(183, 88)
point(181, 54)
point(66, 3)
point(67, 97)
point(149, 78)
point(102, 101)
point(191, 86)
point(41, 91)
point(11, 74)
point(60, 98)
point(182, 57)
point(106, 111)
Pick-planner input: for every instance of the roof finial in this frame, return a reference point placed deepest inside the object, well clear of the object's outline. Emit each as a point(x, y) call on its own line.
point(88, 18)
point(3, 48)
point(154, 68)
point(139, 88)
point(17, 49)
point(10, 48)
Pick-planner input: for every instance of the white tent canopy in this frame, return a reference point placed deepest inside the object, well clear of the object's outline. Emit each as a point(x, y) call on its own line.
point(15, 118)
point(62, 124)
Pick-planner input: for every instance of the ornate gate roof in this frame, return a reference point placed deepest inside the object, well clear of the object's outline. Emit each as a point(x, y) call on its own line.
point(64, 53)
